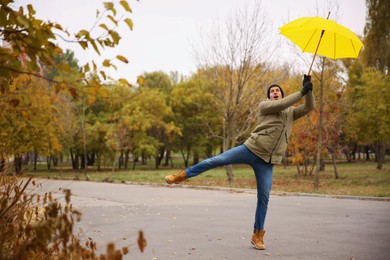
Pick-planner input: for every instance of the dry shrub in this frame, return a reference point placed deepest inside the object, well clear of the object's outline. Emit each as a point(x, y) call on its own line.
point(35, 227)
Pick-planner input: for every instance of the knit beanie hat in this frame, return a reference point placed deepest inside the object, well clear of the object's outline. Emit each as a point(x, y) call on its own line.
point(274, 85)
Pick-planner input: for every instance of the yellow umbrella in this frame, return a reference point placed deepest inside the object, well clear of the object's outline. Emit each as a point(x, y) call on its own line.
point(323, 37)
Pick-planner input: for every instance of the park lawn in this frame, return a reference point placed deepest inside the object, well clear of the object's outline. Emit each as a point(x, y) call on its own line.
point(356, 179)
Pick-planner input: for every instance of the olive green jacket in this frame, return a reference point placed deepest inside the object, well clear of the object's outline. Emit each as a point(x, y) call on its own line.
point(270, 137)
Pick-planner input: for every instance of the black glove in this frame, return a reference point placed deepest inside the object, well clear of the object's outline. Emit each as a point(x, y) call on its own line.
point(308, 87)
point(306, 79)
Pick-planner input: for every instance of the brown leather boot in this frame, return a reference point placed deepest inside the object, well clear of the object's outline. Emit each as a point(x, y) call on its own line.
point(257, 239)
point(176, 178)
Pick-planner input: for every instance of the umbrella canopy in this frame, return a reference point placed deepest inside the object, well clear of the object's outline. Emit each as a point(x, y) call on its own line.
point(323, 37)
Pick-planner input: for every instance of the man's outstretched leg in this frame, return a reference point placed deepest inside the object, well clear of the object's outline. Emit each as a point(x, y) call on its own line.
point(239, 154)
point(176, 178)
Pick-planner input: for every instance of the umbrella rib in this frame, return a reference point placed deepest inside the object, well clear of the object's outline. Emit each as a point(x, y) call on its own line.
point(334, 47)
point(311, 37)
point(353, 47)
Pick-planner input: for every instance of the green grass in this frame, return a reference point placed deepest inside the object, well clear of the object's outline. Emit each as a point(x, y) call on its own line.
point(356, 179)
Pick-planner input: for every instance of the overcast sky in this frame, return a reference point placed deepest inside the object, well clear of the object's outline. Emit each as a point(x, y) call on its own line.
point(165, 30)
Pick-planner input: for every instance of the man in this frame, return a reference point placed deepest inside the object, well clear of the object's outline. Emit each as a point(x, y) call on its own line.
point(264, 148)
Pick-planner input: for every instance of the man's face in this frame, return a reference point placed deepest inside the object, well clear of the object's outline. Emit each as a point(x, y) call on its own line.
point(275, 94)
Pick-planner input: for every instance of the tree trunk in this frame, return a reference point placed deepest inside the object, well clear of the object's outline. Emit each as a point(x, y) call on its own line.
point(227, 144)
point(320, 125)
point(171, 161)
point(354, 150)
point(18, 162)
point(75, 159)
point(2, 163)
point(196, 158)
point(285, 160)
point(160, 156)
point(84, 159)
point(127, 155)
point(99, 161)
point(306, 163)
point(322, 164)
point(185, 155)
point(83, 162)
point(380, 154)
point(209, 151)
point(35, 159)
point(26, 159)
point(312, 168)
point(229, 173)
point(91, 158)
point(367, 150)
point(359, 151)
point(120, 159)
point(336, 174)
point(167, 157)
point(135, 160)
point(298, 169)
point(143, 159)
point(72, 159)
point(48, 161)
point(55, 161)
point(114, 161)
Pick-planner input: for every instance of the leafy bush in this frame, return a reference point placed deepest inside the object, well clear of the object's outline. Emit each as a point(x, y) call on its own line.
point(39, 227)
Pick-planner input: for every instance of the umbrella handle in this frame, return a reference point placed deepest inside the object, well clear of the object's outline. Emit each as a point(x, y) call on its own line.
point(318, 45)
point(308, 73)
point(315, 54)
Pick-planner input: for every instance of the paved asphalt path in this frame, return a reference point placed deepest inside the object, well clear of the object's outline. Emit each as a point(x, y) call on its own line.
point(185, 223)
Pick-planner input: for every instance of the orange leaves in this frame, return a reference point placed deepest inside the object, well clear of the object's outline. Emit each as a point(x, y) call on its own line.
point(141, 241)
point(109, 6)
point(23, 53)
point(30, 117)
point(91, 91)
point(129, 23)
point(121, 58)
point(140, 80)
point(103, 92)
point(73, 92)
point(83, 34)
point(124, 82)
point(44, 228)
point(297, 158)
point(126, 6)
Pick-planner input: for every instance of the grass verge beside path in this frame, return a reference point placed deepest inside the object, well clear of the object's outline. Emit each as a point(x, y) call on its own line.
point(356, 179)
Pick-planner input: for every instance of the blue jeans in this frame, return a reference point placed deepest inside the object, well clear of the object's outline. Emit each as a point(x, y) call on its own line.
point(239, 155)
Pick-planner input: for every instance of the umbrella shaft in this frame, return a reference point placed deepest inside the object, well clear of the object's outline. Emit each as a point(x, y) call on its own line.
point(322, 34)
point(315, 54)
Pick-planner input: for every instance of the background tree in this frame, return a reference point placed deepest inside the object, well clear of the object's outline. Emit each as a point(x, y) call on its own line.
point(329, 117)
point(131, 126)
point(195, 117)
point(369, 121)
point(106, 118)
point(302, 143)
point(30, 46)
point(376, 52)
point(29, 121)
point(375, 60)
point(233, 60)
point(158, 80)
point(72, 73)
point(163, 83)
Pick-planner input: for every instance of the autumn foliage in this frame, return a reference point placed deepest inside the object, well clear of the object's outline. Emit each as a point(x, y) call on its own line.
point(41, 227)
